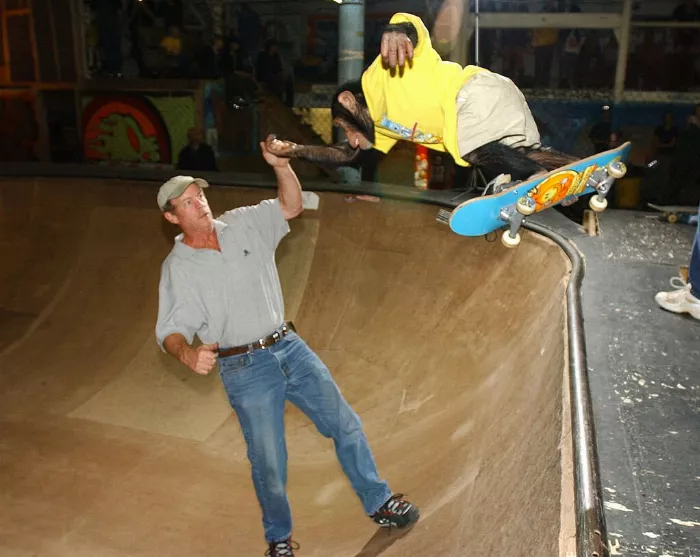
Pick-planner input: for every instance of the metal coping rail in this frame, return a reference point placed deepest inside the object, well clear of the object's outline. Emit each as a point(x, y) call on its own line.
point(591, 534)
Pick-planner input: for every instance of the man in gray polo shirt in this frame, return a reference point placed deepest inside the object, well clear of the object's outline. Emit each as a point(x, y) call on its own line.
point(220, 283)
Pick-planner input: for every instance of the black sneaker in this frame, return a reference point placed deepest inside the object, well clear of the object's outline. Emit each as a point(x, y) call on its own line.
point(396, 512)
point(285, 548)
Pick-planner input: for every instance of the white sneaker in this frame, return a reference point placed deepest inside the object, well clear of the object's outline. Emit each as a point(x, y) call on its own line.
point(678, 282)
point(679, 301)
point(496, 185)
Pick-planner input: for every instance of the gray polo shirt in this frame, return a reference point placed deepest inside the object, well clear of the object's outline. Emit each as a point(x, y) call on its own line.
point(232, 297)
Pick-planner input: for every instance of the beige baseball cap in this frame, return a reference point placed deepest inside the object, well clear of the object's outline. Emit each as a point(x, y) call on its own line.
point(175, 187)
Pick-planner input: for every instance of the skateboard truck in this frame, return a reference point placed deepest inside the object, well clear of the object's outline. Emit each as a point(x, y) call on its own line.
point(514, 215)
point(602, 180)
point(443, 216)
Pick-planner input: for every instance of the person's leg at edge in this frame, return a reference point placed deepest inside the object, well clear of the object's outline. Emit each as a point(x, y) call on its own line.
point(687, 298)
point(256, 390)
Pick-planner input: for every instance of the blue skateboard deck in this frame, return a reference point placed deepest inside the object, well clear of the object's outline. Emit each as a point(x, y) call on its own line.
point(482, 215)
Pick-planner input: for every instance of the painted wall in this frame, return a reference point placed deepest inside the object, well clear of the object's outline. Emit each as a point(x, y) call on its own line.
point(136, 128)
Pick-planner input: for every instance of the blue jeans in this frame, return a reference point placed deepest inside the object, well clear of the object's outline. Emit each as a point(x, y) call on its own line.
point(694, 270)
point(258, 384)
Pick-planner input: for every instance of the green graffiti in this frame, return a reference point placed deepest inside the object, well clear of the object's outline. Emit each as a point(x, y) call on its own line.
point(121, 133)
point(179, 115)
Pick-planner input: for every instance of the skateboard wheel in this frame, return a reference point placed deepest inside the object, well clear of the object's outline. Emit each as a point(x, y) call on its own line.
point(509, 241)
point(672, 218)
point(597, 204)
point(617, 169)
point(525, 206)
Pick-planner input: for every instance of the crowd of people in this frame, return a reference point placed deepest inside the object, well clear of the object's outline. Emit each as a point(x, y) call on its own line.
point(659, 59)
point(152, 41)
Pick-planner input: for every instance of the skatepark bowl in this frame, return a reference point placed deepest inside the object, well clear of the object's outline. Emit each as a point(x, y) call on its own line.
point(454, 352)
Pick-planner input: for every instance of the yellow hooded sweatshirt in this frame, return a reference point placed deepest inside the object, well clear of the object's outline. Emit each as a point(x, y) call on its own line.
point(418, 104)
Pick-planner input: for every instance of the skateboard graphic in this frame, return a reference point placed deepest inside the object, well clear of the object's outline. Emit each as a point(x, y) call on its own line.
point(686, 214)
point(510, 203)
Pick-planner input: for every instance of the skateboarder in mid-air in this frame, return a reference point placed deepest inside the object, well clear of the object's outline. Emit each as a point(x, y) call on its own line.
point(409, 93)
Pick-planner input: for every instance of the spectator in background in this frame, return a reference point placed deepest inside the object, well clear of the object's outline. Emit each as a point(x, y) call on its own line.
point(686, 40)
point(234, 57)
point(269, 69)
point(241, 89)
point(250, 28)
point(544, 41)
point(211, 57)
point(108, 15)
point(171, 50)
point(172, 42)
point(675, 179)
point(612, 47)
point(650, 61)
point(590, 58)
point(665, 137)
point(514, 43)
point(684, 186)
point(658, 184)
point(573, 40)
point(601, 132)
point(196, 155)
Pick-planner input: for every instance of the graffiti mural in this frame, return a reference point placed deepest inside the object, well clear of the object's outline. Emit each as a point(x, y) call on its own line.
point(19, 137)
point(560, 186)
point(136, 128)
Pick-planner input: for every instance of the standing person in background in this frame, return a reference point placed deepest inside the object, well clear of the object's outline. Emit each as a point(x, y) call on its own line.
point(686, 297)
point(268, 69)
point(545, 41)
point(196, 155)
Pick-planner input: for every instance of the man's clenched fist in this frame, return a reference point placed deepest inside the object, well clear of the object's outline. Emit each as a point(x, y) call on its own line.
point(202, 359)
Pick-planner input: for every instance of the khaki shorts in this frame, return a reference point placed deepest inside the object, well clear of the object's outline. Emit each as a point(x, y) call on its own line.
point(491, 108)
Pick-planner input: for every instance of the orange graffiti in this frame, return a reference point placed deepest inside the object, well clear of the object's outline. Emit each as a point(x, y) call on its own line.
point(559, 186)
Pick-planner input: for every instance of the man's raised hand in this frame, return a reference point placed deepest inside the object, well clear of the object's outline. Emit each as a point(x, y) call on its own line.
point(397, 49)
point(202, 359)
point(278, 148)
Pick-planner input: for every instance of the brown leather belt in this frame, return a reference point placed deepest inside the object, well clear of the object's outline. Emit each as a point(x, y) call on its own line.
point(260, 344)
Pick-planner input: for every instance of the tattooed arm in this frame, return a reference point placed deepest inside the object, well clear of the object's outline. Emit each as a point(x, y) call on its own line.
point(340, 154)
